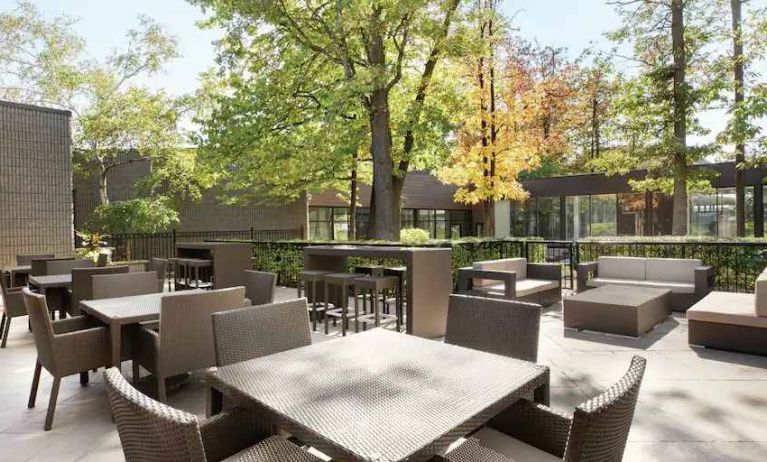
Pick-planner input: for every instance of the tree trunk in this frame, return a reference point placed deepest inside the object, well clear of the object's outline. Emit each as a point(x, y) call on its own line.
point(103, 191)
point(679, 217)
point(380, 143)
point(490, 211)
point(353, 201)
point(740, 147)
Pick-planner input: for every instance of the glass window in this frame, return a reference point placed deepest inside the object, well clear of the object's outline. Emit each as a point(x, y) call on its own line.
point(426, 221)
point(548, 217)
point(519, 218)
point(726, 216)
point(603, 215)
point(577, 211)
point(702, 211)
point(407, 218)
point(631, 214)
point(440, 224)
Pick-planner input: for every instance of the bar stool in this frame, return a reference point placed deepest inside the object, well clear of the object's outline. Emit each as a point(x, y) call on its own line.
point(172, 271)
point(375, 286)
point(341, 282)
point(180, 272)
point(400, 272)
point(196, 264)
point(370, 270)
point(309, 279)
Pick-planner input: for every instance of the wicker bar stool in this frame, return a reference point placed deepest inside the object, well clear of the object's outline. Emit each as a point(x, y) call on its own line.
point(197, 264)
point(400, 272)
point(309, 279)
point(341, 282)
point(370, 270)
point(375, 287)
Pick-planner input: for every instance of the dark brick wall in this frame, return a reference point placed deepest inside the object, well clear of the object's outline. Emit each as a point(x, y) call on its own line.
point(35, 182)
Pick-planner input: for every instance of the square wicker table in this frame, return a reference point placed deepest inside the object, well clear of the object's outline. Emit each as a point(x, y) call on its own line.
point(123, 311)
point(380, 395)
point(56, 282)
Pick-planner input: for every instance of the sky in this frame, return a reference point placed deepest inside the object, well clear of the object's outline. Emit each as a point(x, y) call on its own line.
point(575, 24)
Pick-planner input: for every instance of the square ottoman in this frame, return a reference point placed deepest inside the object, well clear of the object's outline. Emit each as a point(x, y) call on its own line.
point(625, 310)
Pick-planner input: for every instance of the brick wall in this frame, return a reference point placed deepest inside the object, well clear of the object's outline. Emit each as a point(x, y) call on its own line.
point(35, 182)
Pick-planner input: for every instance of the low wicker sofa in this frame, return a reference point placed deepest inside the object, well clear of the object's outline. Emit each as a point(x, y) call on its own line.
point(513, 279)
point(731, 321)
point(687, 278)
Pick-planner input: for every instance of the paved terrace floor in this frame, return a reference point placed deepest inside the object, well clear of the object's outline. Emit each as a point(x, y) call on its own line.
point(695, 404)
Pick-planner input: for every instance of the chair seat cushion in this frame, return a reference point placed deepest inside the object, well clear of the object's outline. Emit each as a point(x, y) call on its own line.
point(273, 449)
point(516, 265)
point(727, 308)
point(677, 287)
point(493, 443)
point(524, 288)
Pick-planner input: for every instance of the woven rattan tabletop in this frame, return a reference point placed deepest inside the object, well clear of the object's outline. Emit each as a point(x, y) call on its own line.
point(380, 395)
point(126, 310)
point(51, 281)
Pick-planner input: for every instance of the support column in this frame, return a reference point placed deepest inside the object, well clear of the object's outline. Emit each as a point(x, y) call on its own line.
point(759, 210)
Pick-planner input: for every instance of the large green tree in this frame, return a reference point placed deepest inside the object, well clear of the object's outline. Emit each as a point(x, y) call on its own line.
point(315, 81)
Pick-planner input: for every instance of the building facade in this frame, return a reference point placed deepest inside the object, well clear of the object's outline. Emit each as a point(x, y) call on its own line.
point(589, 205)
point(35, 182)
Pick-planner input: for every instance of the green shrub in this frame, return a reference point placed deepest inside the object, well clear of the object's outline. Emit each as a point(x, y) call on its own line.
point(413, 236)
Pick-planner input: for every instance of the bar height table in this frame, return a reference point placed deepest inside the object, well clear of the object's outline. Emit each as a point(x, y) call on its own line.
point(429, 279)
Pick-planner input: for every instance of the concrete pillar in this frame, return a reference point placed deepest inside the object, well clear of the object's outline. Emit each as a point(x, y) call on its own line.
point(502, 219)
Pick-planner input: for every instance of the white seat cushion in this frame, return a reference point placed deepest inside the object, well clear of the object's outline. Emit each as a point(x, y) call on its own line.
point(517, 265)
point(524, 288)
point(727, 308)
point(622, 267)
point(672, 269)
point(760, 301)
point(512, 448)
point(676, 287)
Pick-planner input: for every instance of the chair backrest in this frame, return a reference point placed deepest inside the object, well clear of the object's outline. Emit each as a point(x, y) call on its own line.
point(186, 327)
point(502, 327)
point(124, 284)
point(102, 260)
point(158, 265)
point(260, 287)
point(149, 430)
point(25, 260)
point(66, 266)
point(601, 425)
point(39, 266)
point(517, 265)
point(82, 286)
point(255, 331)
point(13, 304)
point(42, 328)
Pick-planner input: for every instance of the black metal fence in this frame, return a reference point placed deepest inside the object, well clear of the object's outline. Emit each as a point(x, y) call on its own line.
point(139, 246)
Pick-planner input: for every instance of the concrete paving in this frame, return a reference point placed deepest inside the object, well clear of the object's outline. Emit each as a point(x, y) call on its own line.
point(695, 404)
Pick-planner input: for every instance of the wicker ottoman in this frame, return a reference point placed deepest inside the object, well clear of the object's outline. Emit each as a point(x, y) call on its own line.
point(625, 310)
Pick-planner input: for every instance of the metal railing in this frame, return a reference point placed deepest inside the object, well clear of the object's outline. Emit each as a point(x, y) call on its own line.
point(143, 246)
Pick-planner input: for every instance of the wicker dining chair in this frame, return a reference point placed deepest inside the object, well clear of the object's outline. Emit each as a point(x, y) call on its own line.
point(260, 287)
point(26, 260)
point(13, 307)
point(160, 266)
point(154, 432)
point(82, 286)
point(64, 347)
point(124, 285)
point(498, 326)
point(256, 331)
point(597, 431)
point(64, 266)
point(184, 341)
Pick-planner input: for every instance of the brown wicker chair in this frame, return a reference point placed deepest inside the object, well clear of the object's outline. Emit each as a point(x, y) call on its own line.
point(160, 266)
point(503, 327)
point(260, 287)
point(597, 431)
point(124, 285)
point(255, 331)
point(82, 287)
point(151, 431)
point(184, 341)
point(26, 260)
point(64, 347)
point(13, 307)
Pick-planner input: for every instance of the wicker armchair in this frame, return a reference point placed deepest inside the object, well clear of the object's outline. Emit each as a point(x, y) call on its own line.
point(26, 260)
point(497, 326)
point(151, 431)
point(64, 348)
point(597, 431)
point(160, 266)
point(262, 330)
point(184, 341)
point(260, 287)
point(13, 307)
point(124, 285)
point(82, 288)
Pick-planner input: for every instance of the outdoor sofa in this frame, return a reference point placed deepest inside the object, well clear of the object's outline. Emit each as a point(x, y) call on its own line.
point(687, 278)
point(731, 321)
point(513, 279)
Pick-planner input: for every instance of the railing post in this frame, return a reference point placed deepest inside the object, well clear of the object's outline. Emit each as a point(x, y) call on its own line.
point(252, 234)
point(173, 243)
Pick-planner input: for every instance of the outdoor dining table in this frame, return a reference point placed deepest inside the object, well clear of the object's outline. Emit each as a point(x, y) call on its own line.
point(124, 311)
point(379, 395)
point(52, 282)
point(17, 270)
